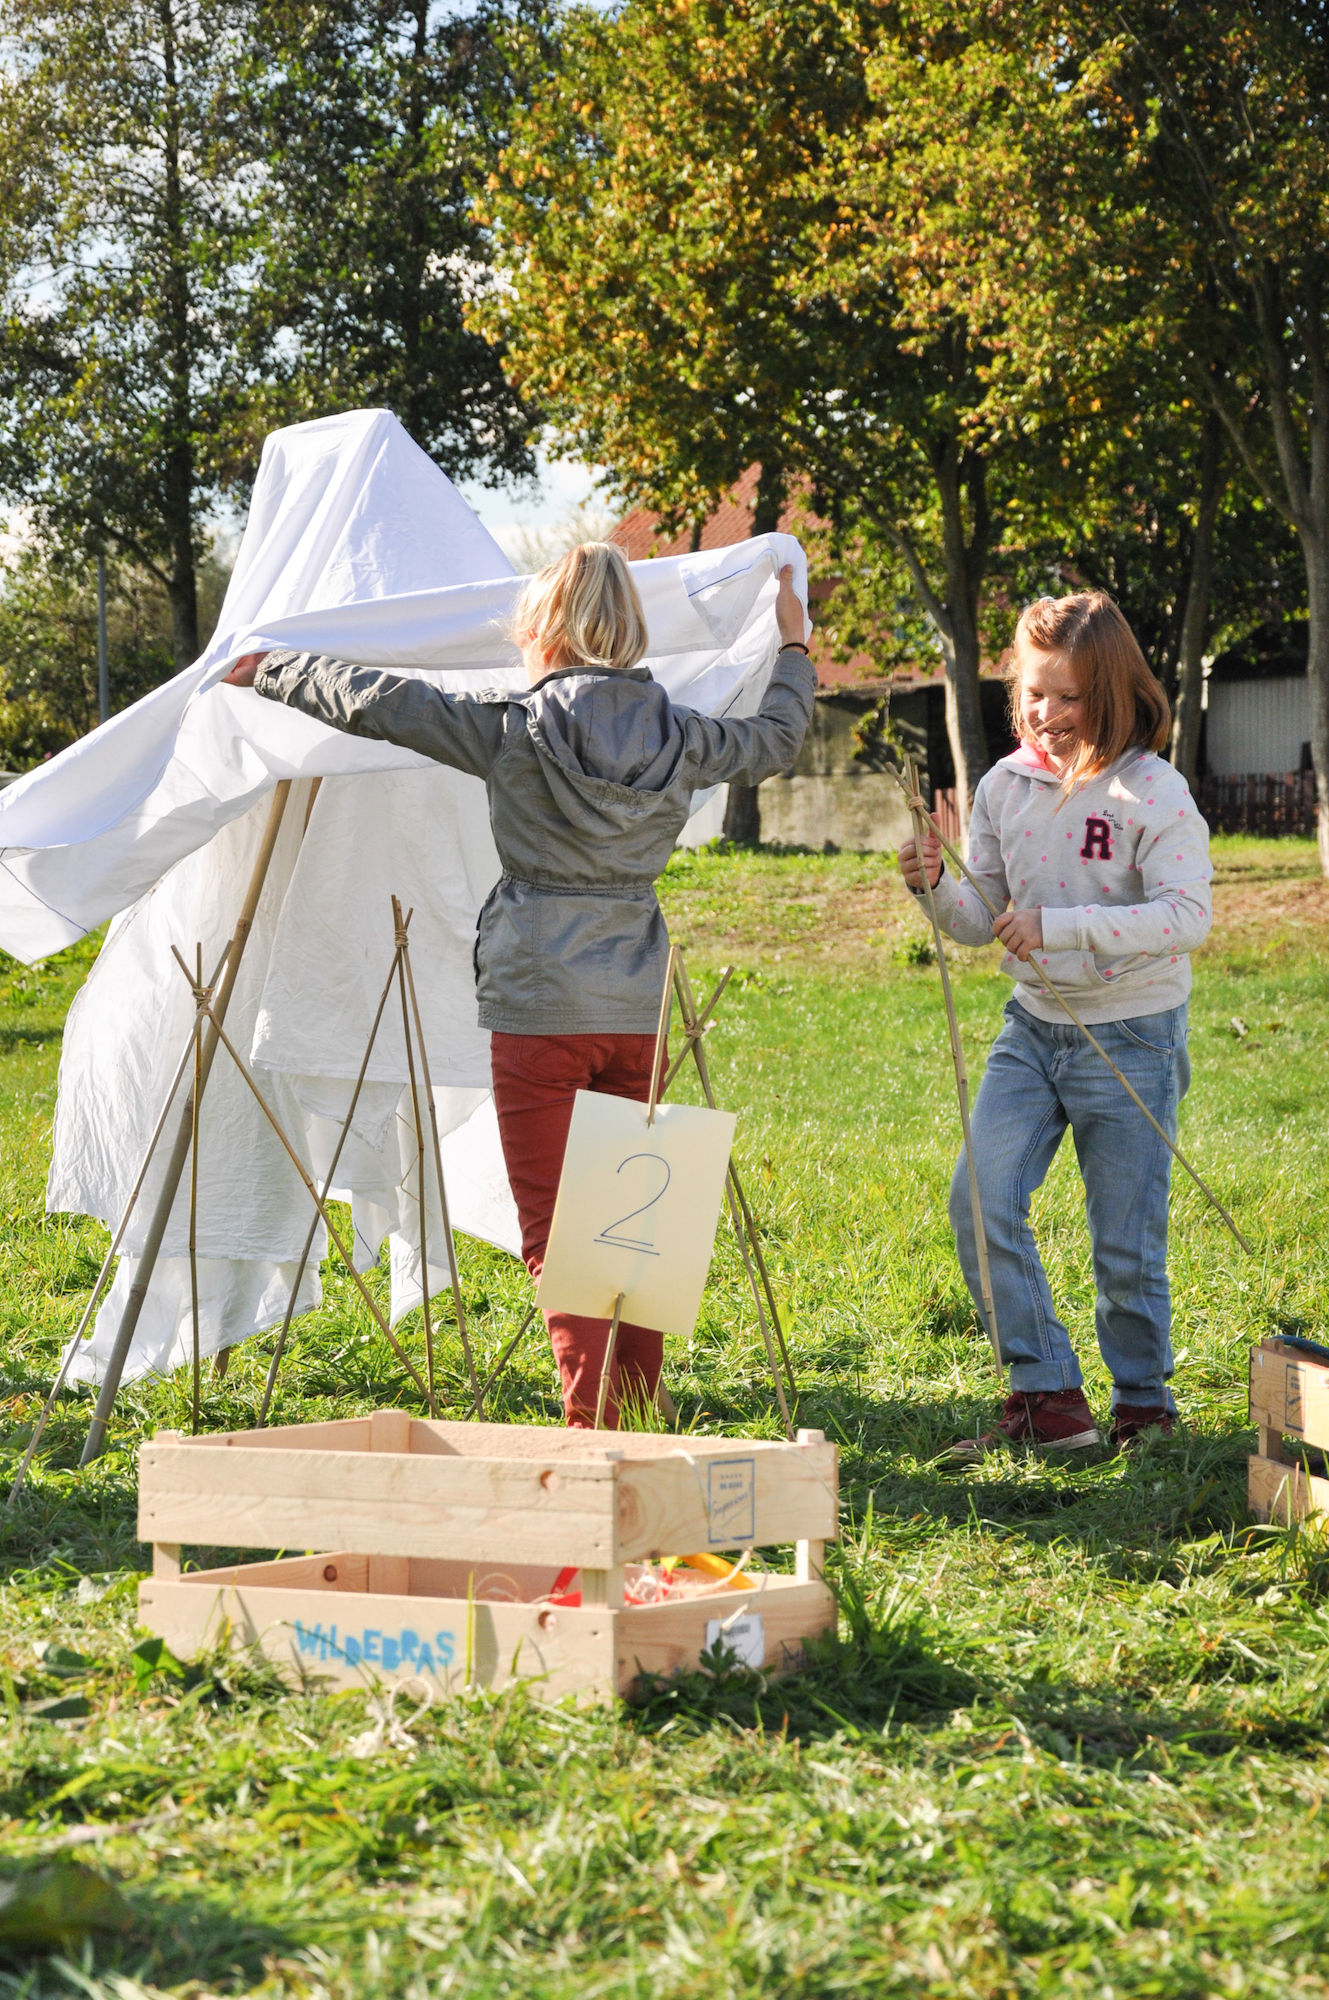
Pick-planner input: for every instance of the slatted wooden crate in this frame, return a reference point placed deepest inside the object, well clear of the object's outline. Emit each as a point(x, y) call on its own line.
point(437, 1516)
point(1290, 1403)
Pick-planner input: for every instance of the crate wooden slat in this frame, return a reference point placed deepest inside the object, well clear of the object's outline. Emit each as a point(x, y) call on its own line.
point(417, 1520)
point(1290, 1403)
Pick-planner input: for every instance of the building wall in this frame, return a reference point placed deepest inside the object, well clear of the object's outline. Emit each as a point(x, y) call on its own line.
point(1257, 725)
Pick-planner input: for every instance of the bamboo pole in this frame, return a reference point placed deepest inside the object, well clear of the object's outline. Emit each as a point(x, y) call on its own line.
point(1061, 1000)
point(602, 1396)
point(961, 1084)
point(196, 1097)
point(110, 1257)
point(305, 1253)
point(399, 929)
point(703, 1071)
point(321, 1206)
point(408, 977)
point(661, 1029)
point(156, 1231)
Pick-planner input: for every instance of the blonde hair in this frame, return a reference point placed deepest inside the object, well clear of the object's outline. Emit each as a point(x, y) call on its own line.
point(583, 610)
point(1123, 704)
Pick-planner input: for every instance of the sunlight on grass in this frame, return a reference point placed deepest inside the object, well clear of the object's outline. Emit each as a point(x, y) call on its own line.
point(1070, 1737)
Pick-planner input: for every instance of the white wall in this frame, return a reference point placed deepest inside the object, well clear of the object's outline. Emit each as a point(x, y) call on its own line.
point(1257, 725)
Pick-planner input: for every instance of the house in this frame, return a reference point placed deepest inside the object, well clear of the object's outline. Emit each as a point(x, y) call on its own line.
point(839, 793)
point(1255, 772)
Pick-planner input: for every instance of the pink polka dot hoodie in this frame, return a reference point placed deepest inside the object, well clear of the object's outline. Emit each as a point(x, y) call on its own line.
point(1120, 869)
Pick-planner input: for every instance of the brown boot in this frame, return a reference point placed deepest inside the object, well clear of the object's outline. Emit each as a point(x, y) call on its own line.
point(1131, 1420)
point(1057, 1419)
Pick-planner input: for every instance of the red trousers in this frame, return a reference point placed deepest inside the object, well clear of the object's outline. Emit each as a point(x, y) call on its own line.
point(535, 1080)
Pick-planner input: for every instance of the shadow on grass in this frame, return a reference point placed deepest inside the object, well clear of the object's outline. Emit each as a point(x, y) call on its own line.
point(166, 1939)
point(12, 1039)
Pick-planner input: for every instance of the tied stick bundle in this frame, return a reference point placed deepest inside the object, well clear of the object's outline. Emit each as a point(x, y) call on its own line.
point(914, 799)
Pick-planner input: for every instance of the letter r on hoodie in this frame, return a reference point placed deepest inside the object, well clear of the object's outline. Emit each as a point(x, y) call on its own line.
point(1097, 839)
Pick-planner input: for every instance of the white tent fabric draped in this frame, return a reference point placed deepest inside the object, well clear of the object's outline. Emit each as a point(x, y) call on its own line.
point(356, 545)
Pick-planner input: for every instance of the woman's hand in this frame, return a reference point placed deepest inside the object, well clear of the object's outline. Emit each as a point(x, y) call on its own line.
point(242, 673)
point(911, 866)
point(1021, 931)
point(790, 616)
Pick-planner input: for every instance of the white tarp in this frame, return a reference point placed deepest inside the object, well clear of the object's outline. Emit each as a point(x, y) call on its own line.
point(356, 545)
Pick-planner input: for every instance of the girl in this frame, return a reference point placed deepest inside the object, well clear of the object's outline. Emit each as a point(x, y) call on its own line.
point(1097, 847)
point(590, 776)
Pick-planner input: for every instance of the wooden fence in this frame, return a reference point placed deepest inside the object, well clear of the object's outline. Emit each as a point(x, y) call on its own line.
point(946, 813)
point(1255, 803)
point(1249, 802)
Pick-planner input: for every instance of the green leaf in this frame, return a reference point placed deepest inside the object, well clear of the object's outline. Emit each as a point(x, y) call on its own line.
point(150, 1658)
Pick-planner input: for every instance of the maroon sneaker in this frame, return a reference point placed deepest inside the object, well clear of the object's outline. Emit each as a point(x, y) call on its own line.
point(1058, 1419)
point(1131, 1420)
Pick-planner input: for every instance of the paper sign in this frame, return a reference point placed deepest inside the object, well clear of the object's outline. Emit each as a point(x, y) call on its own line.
point(744, 1637)
point(637, 1210)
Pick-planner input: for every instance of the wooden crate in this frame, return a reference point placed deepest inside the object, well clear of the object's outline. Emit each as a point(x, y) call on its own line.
point(435, 1516)
point(1290, 1403)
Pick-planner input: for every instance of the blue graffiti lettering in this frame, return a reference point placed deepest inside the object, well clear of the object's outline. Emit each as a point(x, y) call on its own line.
point(308, 1639)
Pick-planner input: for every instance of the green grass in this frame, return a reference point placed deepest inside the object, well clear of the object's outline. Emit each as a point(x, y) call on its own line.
point(1070, 1738)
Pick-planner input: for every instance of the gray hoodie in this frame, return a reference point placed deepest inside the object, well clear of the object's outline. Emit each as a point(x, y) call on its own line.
point(590, 776)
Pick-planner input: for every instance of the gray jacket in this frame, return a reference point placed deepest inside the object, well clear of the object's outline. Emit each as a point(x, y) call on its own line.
point(590, 776)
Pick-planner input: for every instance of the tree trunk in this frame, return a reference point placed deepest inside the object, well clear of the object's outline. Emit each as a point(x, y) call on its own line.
point(964, 559)
point(771, 483)
point(1315, 543)
point(178, 470)
point(1195, 620)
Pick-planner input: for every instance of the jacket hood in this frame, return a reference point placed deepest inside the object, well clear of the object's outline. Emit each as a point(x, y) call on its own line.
point(609, 743)
point(1030, 764)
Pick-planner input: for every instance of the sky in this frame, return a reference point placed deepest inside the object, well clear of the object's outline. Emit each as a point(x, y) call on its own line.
point(513, 511)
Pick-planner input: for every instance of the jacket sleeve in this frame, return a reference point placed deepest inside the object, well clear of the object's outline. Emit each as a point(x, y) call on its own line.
point(1175, 871)
point(960, 910)
point(745, 752)
point(463, 730)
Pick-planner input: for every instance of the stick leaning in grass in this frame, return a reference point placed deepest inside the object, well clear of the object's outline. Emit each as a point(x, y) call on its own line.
point(921, 822)
point(914, 800)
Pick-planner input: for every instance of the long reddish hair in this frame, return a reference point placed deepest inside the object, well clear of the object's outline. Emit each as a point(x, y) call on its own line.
point(1123, 704)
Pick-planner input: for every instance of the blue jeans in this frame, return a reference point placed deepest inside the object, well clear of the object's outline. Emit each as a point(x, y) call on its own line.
point(1040, 1078)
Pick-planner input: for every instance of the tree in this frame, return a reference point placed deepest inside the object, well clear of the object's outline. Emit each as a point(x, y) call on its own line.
point(380, 120)
point(705, 221)
point(225, 214)
point(1152, 184)
point(126, 396)
point(48, 645)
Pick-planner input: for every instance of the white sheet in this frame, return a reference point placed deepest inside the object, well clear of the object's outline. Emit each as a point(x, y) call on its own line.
point(359, 546)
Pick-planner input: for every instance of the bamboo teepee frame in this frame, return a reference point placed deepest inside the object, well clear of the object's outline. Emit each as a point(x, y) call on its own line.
point(207, 1033)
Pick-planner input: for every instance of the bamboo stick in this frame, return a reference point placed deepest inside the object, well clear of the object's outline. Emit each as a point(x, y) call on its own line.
point(961, 1088)
point(400, 924)
point(216, 1012)
point(666, 1002)
point(602, 1396)
point(343, 1136)
point(195, 1103)
point(454, 1273)
point(110, 1257)
point(328, 1223)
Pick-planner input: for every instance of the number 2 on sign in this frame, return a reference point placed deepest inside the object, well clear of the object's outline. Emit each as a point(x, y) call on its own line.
point(610, 1233)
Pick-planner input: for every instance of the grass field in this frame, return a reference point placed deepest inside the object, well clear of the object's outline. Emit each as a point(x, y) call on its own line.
point(1071, 1737)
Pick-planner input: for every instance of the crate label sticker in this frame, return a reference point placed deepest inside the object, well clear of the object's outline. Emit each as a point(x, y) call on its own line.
point(392, 1652)
point(1292, 1411)
point(731, 1502)
point(744, 1637)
